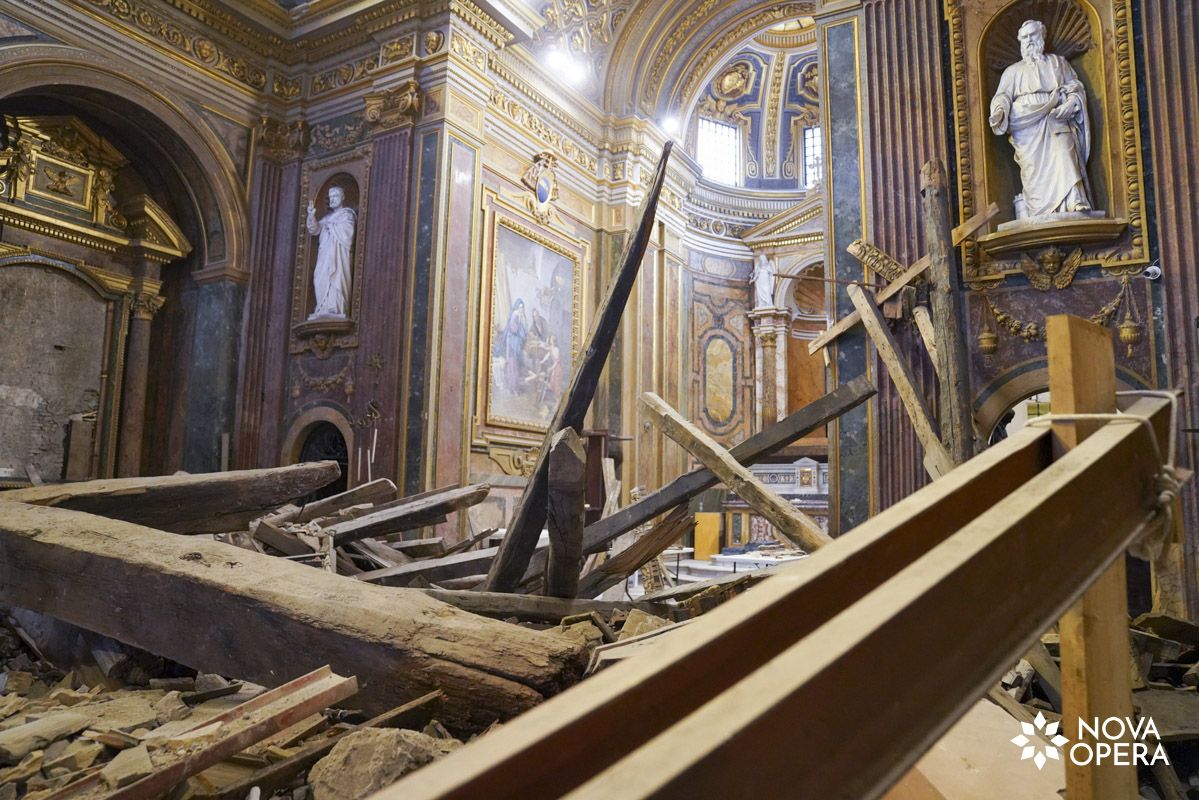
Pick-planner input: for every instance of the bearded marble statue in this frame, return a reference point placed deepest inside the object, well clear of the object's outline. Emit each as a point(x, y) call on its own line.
point(331, 278)
point(1042, 106)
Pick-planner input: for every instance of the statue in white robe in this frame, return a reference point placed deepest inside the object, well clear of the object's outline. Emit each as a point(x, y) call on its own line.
point(331, 278)
point(763, 279)
point(1042, 107)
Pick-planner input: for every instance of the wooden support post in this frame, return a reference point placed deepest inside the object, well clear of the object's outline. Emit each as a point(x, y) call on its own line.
point(786, 518)
point(524, 529)
point(564, 506)
point(1094, 632)
point(936, 458)
point(945, 296)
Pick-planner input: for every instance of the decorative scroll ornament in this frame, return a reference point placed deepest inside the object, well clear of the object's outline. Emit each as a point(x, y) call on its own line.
point(734, 82)
point(394, 107)
point(514, 461)
point(1051, 269)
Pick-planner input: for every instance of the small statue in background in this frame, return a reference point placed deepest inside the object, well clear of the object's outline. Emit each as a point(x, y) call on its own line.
point(763, 280)
point(331, 278)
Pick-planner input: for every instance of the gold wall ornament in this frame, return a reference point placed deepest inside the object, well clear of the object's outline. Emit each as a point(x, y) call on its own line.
point(343, 74)
point(1050, 269)
point(434, 40)
point(286, 88)
point(396, 50)
point(470, 52)
point(541, 179)
point(517, 462)
point(393, 107)
point(586, 28)
point(774, 109)
point(734, 82)
point(280, 140)
point(666, 51)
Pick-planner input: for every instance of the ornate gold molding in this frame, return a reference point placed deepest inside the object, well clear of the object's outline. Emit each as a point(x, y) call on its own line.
point(535, 125)
point(146, 305)
point(198, 49)
point(470, 52)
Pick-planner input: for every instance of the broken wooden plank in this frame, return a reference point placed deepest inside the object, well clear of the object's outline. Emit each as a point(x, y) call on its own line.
point(413, 715)
point(787, 519)
point(665, 532)
point(524, 528)
point(937, 460)
point(406, 514)
point(20, 741)
point(467, 544)
point(564, 517)
point(290, 618)
point(924, 325)
point(214, 502)
point(459, 565)
point(375, 492)
point(535, 608)
point(960, 234)
point(282, 540)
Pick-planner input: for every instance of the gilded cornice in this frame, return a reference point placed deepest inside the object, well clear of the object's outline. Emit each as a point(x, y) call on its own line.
point(501, 64)
point(532, 123)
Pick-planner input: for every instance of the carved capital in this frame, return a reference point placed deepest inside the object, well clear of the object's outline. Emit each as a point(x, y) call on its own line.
point(394, 107)
point(146, 305)
point(282, 141)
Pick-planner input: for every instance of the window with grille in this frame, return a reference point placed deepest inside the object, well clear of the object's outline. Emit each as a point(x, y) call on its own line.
point(813, 156)
point(718, 151)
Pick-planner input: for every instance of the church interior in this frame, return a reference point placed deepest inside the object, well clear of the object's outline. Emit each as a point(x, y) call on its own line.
point(544, 398)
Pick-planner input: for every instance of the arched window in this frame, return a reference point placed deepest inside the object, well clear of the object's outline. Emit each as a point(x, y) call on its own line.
point(718, 151)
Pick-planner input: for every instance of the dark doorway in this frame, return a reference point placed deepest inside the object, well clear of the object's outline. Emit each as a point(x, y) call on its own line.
point(325, 443)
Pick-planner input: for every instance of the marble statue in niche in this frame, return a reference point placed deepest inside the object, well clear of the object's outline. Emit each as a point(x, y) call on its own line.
point(1042, 106)
point(331, 277)
point(763, 280)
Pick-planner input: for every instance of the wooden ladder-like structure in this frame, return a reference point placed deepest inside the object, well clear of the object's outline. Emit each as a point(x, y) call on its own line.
point(876, 644)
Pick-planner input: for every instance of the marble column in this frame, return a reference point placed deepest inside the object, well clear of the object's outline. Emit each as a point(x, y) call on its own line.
point(770, 328)
point(146, 303)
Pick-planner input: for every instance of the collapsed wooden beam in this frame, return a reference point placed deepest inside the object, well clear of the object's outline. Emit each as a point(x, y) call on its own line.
point(222, 609)
point(788, 520)
point(937, 460)
point(960, 234)
point(598, 535)
point(406, 514)
point(524, 529)
point(564, 506)
point(666, 531)
point(835, 639)
point(535, 608)
point(215, 502)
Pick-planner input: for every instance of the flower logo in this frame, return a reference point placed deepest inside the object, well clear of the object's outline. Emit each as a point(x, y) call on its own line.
point(1046, 730)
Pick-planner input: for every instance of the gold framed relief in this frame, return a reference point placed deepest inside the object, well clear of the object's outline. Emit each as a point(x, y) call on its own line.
point(61, 182)
point(532, 319)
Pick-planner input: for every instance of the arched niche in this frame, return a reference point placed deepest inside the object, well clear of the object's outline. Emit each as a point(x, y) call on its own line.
point(310, 421)
point(1073, 31)
point(72, 368)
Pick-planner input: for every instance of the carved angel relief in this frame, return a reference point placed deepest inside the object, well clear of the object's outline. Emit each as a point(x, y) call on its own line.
point(1051, 270)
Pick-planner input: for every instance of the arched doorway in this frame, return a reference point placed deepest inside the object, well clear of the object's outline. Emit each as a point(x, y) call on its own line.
point(324, 442)
point(182, 416)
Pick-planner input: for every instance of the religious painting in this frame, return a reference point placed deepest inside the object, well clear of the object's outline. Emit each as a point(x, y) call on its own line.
point(533, 325)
